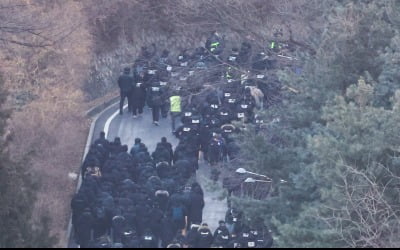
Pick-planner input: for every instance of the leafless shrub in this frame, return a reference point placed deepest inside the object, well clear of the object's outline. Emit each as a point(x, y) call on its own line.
point(366, 218)
point(22, 23)
point(44, 57)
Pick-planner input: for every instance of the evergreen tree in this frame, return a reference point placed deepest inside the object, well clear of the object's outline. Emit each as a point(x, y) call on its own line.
point(357, 169)
point(333, 137)
point(388, 79)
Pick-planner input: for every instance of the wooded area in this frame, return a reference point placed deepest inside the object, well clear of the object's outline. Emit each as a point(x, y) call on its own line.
point(337, 141)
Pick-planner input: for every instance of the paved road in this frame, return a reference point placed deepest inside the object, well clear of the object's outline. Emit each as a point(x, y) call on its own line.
point(128, 128)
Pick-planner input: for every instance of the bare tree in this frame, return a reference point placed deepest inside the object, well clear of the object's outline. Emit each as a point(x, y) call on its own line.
point(366, 217)
point(24, 23)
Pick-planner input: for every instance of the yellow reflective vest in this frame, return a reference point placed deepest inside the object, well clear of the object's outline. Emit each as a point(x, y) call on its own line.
point(175, 104)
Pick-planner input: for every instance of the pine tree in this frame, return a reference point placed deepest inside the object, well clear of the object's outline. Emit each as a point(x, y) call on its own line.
point(332, 129)
point(389, 78)
point(357, 169)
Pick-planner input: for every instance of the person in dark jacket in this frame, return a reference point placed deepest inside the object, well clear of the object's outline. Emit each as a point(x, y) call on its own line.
point(148, 240)
point(192, 236)
point(118, 225)
point(168, 146)
point(116, 147)
point(78, 205)
point(261, 62)
point(125, 83)
point(143, 214)
point(195, 204)
point(196, 208)
point(183, 58)
point(197, 189)
point(234, 242)
point(164, 61)
point(234, 220)
point(102, 140)
point(167, 234)
point(222, 236)
point(178, 213)
point(84, 228)
point(244, 54)
point(263, 240)
point(215, 150)
point(233, 57)
point(165, 90)
point(245, 238)
point(156, 101)
point(162, 199)
point(164, 170)
point(138, 148)
point(130, 239)
point(162, 155)
point(205, 237)
point(138, 96)
point(175, 244)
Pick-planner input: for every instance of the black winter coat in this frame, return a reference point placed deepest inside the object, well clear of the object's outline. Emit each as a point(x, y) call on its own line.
point(205, 238)
point(192, 237)
point(196, 208)
point(139, 90)
point(125, 83)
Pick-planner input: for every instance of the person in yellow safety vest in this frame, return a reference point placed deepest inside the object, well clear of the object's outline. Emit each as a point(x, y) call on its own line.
point(215, 44)
point(176, 109)
point(276, 46)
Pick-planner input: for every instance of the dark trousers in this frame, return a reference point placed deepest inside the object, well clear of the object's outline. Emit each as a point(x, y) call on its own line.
point(174, 116)
point(137, 109)
point(214, 156)
point(124, 96)
point(164, 110)
point(156, 113)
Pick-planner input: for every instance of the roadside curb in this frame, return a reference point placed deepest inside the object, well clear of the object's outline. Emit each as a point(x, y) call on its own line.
point(99, 108)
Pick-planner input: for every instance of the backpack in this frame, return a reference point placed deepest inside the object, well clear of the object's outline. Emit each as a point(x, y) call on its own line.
point(177, 213)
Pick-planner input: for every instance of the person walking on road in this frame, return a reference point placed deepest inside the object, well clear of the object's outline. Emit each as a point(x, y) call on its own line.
point(196, 198)
point(138, 96)
point(176, 109)
point(125, 83)
point(155, 102)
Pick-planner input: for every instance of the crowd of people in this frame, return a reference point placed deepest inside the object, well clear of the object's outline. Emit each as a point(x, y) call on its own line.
point(236, 87)
point(134, 198)
point(131, 198)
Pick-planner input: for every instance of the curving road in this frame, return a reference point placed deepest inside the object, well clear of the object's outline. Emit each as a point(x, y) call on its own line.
point(128, 128)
